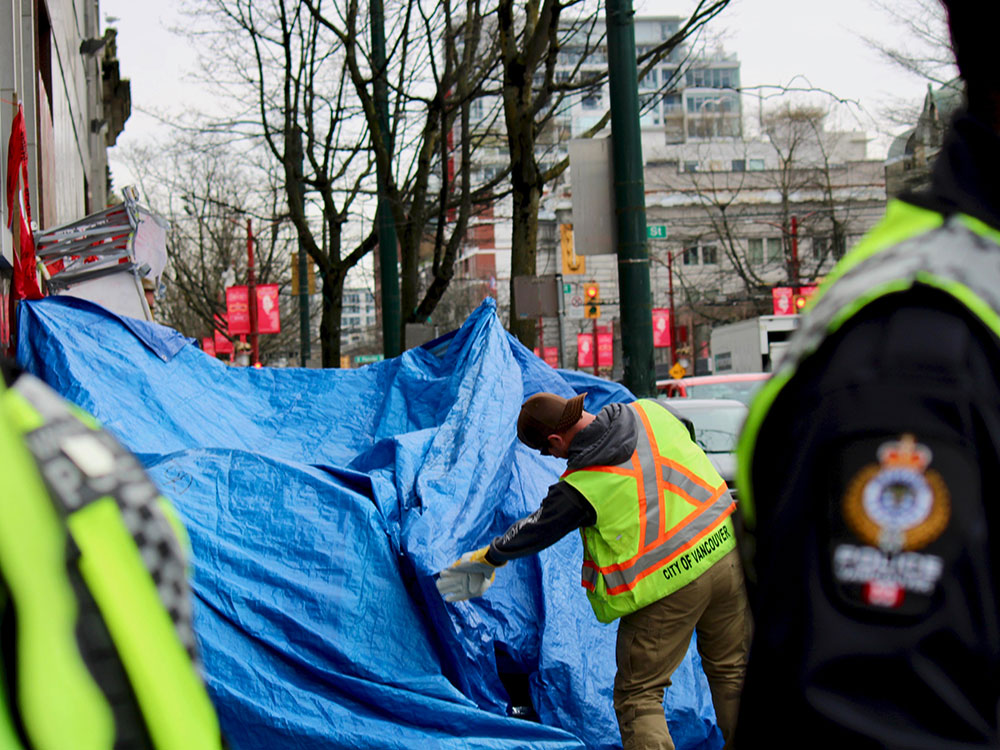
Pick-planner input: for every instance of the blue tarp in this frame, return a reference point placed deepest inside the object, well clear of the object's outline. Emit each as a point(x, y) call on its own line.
point(320, 503)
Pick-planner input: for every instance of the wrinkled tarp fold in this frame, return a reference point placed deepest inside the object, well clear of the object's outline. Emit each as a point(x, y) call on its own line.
point(320, 504)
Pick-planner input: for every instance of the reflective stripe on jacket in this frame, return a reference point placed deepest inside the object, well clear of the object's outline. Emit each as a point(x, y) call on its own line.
point(105, 649)
point(959, 255)
point(662, 517)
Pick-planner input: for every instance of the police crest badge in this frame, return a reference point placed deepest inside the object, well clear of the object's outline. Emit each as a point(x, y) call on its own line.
point(899, 504)
point(894, 508)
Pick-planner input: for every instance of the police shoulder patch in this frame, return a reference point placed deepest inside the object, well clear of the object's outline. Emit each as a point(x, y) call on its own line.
point(899, 504)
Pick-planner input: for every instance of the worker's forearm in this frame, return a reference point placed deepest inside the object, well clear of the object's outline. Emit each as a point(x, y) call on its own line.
point(563, 510)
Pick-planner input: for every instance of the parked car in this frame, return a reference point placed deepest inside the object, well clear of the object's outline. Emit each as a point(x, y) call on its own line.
point(740, 386)
point(716, 423)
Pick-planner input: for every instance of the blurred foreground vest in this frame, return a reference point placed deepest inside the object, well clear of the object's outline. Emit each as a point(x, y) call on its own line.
point(663, 517)
point(958, 256)
point(95, 616)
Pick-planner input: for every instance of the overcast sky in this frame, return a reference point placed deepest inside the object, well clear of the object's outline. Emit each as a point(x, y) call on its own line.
point(775, 40)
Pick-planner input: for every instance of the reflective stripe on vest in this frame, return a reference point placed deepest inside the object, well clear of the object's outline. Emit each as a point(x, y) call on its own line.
point(959, 256)
point(674, 508)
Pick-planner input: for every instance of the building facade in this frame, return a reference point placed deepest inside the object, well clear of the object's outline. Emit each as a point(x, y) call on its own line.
point(56, 63)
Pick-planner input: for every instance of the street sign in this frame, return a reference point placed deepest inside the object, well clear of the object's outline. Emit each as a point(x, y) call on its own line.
point(365, 359)
point(571, 262)
point(656, 232)
point(677, 371)
point(536, 296)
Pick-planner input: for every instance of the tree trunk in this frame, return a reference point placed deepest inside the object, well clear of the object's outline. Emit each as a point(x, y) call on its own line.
point(329, 328)
point(524, 251)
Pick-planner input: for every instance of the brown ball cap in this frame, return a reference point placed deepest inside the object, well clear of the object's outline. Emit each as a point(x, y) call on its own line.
point(544, 414)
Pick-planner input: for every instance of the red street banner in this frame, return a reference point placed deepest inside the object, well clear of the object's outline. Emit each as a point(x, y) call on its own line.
point(584, 350)
point(19, 204)
point(208, 346)
point(551, 356)
point(222, 344)
point(268, 314)
point(605, 349)
point(661, 327)
point(782, 297)
point(238, 310)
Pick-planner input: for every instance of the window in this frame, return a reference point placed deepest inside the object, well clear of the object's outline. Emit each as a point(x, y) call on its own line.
point(820, 247)
point(592, 101)
point(710, 255)
point(690, 166)
point(672, 103)
point(775, 250)
point(649, 107)
point(739, 165)
point(755, 251)
point(714, 103)
point(649, 80)
point(755, 165)
point(690, 256)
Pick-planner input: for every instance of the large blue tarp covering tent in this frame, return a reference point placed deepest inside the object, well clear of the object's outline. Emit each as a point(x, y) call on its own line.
point(320, 504)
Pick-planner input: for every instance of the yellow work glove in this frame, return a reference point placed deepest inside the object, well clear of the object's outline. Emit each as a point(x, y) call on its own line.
point(467, 577)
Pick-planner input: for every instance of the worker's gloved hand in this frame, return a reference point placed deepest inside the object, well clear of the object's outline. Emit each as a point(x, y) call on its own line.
point(469, 576)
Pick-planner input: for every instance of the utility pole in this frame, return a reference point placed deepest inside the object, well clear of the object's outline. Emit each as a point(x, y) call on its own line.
point(388, 264)
point(305, 351)
point(795, 251)
point(252, 298)
point(630, 202)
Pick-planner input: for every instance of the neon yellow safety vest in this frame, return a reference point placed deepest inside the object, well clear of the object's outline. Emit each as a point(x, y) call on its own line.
point(959, 255)
point(104, 651)
point(662, 517)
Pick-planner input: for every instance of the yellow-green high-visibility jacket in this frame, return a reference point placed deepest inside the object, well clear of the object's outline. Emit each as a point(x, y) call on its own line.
point(93, 592)
point(958, 255)
point(663, 517)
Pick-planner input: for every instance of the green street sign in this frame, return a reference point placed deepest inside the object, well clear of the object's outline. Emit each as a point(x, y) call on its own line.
point(567, 288)
point(656, 232)
point(364, 359)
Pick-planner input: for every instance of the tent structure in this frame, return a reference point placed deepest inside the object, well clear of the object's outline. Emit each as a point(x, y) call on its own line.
point(320, 504)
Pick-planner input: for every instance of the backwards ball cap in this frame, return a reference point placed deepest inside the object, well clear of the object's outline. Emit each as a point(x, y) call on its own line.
point(544, 414)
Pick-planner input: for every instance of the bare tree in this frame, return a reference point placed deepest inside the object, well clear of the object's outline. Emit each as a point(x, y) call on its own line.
point(439, 64)
point(815, 193)
point(533, 98)
point(208, 190)
point(292, 94)
point(927, 55)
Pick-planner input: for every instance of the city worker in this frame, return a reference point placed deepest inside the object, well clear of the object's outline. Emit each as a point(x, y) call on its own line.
point(869, 466)
point(658, 550)
point(96, 645)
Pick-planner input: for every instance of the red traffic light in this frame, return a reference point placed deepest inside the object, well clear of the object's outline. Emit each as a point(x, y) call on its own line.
point(591, 292)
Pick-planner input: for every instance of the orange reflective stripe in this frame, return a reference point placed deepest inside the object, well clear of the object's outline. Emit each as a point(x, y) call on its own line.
point(626, 578)
point(660, 458)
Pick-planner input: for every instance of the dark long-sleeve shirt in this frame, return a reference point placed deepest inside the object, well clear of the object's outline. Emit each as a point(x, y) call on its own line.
point(608, 440)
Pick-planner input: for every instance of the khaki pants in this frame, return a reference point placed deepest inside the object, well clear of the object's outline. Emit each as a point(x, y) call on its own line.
point(652, 643)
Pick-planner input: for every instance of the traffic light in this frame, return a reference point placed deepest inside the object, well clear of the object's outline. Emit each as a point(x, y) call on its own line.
point(801, 297)
point(591, 296)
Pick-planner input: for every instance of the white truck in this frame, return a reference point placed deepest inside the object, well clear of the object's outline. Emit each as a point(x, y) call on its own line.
point(753, 345)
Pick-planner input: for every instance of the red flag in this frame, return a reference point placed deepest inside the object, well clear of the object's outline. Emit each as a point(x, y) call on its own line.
point(25, 273)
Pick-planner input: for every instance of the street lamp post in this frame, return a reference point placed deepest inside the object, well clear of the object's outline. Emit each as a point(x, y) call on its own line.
point(673, 310)
point(252, 297)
